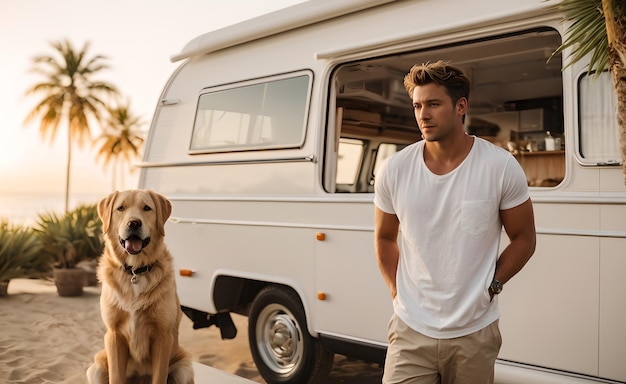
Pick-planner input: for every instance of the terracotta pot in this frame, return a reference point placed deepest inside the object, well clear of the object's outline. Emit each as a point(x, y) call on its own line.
point(69, 281)
point(90, 267)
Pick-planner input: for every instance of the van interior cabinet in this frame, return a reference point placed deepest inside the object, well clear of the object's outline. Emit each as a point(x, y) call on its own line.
point(543, 168)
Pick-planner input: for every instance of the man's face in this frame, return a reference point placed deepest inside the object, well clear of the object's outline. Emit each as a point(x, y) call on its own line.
point(435, 114)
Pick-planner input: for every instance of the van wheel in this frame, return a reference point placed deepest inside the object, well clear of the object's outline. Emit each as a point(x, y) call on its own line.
point(282, 348)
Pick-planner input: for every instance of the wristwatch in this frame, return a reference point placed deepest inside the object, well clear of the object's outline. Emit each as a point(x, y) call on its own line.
point(496, 286)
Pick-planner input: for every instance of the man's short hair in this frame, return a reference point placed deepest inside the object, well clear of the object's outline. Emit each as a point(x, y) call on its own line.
point(442, 73)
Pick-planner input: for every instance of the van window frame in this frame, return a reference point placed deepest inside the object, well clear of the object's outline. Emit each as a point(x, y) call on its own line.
point(251, 82)
point(548, 102)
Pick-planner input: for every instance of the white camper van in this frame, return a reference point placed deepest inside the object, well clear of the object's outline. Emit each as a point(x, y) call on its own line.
point(267, 140)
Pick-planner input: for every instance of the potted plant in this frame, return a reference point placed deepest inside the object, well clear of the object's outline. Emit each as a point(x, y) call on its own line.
point(68, 239)
point(19, 254)
point(87, 227)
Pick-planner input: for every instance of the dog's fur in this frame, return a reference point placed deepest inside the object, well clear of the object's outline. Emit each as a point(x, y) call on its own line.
point(141, 319)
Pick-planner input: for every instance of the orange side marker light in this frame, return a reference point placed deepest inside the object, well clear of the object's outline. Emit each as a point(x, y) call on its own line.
point(186, 272)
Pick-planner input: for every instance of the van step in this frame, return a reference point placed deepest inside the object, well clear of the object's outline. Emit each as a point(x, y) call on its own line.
point(221, 320)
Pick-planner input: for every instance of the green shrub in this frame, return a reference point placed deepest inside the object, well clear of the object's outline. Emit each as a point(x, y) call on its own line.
point(20, 254)
point(72, 237)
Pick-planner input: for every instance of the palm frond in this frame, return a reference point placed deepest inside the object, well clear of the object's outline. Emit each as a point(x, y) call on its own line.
point(79, 228)
point(19, 253)
point(121, 138)
point(68, 78)
point(586, 35)
point(69, 92)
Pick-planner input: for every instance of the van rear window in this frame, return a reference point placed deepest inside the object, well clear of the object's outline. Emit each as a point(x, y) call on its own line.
point(597, 123)
point(264, 115)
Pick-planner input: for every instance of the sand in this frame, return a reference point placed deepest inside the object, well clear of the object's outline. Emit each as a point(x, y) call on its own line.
point(45, 338)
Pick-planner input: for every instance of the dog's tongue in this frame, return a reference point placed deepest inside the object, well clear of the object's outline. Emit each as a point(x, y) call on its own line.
point(133, 246)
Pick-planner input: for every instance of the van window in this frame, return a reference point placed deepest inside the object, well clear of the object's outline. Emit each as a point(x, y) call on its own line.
point(597, 120)
point(349, 162)
point(270, 114)
point(385, 150)
point(516, 102)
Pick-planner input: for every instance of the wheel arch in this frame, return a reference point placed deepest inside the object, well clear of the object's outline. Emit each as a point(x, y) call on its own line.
point(234, 292)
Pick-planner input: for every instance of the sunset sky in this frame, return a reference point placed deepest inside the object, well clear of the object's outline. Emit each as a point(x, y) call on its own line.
point(137, 36)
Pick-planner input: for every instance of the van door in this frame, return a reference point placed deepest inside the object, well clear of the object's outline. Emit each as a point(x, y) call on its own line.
point(353, 301)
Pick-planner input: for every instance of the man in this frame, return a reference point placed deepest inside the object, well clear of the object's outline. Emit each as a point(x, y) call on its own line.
point(441, 204)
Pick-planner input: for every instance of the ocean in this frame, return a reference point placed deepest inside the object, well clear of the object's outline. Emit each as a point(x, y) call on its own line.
point(25, 208)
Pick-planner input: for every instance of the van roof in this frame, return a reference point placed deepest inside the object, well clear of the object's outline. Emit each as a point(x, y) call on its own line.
point(295, 16)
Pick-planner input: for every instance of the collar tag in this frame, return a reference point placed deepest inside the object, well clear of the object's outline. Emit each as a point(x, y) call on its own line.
point(136, 271)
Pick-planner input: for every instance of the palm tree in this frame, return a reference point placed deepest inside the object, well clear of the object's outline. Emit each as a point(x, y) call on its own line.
point(599, 28)
point(68, 94)
point(121, 139)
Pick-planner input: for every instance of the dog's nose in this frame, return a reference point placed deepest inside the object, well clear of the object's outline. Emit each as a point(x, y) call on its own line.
point(133, 224)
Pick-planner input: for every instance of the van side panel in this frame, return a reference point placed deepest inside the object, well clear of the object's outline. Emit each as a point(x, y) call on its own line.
point(347, 273)
point(270, 178)
point(612, 287)
point(554, 304)
point(211, 247)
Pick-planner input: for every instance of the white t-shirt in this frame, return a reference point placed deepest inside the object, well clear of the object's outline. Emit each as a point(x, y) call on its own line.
point(449, 235)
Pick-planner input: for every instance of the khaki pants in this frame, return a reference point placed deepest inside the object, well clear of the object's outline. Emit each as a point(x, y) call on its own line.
point(413, 358)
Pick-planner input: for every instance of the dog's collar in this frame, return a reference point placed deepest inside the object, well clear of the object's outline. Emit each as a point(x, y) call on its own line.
point(136, 271)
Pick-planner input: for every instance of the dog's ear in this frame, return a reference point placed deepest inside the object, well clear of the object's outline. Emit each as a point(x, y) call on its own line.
point(164, 210)
point(105, 210)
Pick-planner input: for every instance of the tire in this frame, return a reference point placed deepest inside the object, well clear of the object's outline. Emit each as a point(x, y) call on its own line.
point(281, 346)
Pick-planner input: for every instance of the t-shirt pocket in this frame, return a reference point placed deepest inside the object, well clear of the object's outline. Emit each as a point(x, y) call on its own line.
point(475, 216)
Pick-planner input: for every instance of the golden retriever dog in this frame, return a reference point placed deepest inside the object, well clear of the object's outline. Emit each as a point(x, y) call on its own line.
point(139, 303)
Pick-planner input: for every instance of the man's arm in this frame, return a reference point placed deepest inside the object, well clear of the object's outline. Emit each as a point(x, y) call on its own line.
point(386, 246)
point(519, 224)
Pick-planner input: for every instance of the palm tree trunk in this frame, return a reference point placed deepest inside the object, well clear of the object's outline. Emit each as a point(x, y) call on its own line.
point(616, 34)
point(122, 175)
point(67, 170)
point(114, 171)
point(619, 76)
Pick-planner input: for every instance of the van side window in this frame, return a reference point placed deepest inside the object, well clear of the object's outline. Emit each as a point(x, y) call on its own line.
point(350, 155)
point(385, 150)
point(270, 114)
point(516, 102)
point(597, 120)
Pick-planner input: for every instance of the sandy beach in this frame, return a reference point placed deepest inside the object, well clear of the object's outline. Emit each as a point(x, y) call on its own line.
point(45, 338)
